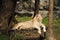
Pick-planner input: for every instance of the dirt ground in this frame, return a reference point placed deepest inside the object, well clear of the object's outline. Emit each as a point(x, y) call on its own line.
point(29, 35)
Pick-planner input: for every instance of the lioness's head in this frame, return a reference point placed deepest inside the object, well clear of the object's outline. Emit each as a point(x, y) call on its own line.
point(38, 17)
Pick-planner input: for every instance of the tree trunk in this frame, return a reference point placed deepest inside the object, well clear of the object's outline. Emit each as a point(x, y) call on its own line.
point(36, 11)
point(6, 12)
point(50, 33)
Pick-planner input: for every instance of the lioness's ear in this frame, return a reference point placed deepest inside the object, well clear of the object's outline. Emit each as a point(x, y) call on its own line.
point(38, 19)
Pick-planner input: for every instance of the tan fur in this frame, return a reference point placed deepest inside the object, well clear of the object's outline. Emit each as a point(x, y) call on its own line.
point(36, 22)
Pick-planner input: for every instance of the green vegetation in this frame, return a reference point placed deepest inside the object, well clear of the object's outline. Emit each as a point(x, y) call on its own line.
point(23, 18)
point(3, 37)
point(19, 37)
point(57, 28)
point(45, 21)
